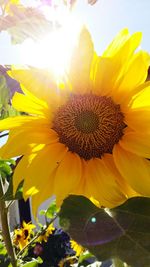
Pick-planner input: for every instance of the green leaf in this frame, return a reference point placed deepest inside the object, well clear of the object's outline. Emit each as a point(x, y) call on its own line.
point(8, 196)
point(6, 173)
point(39, 260)
point(33, 263)
point(3, 250)
point(4, 91)
point(42, 212)
point(52, 210)
point(40, 225)
point(5, 168)
point(122, 232)
point(12, 112)
point(4, 259)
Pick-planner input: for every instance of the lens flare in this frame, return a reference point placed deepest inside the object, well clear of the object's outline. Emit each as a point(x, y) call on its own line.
point(54, 50)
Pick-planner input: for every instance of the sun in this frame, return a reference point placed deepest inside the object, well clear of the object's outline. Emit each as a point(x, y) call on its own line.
point(54, 51)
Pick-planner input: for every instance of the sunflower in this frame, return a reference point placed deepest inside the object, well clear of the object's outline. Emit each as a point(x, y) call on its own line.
point(77, 248)
point(22, 236)
point(89, 135)
point(44, 237)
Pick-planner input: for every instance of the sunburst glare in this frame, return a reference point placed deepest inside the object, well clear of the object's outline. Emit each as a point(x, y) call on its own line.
point(55, 49)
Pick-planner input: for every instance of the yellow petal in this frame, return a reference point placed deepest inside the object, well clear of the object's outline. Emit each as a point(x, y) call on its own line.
point(142, 99)
point(117, 42)
point(81, 62)
point(80, 189)
point(138, 119)
point(30, 105)
point(42, 166)
point(40, 197)
point(67, 176)
point(77, 248)
point(134, 169)
point(122, 183)
point(20, 142)
point(114, 62)
point(128, 102)
point(123, 44)
point(100, 183)
point(37, 82)
point(135, 75)
point(11, 123)
point(137, 143)
point(20, 170)
point(105, 68)
point(94, 65)
point(137, 71)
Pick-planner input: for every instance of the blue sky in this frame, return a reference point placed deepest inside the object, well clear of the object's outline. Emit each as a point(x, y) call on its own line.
point(104, 20)
point(107, 17)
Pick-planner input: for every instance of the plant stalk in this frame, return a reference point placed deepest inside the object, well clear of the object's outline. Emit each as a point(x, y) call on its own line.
point(5, 227)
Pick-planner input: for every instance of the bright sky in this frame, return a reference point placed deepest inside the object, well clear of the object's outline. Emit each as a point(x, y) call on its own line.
point(104, 20)
point(107, 17)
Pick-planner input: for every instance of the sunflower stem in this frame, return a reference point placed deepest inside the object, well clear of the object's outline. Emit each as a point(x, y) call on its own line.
point(5, 227)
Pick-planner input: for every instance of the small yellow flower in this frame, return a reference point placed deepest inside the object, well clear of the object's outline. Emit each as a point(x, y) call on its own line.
point(42, 238)
point(47, 233)
point(27, 228)
point(50, 229)
point(77, 248)
point(90, 138)
point(22, 236)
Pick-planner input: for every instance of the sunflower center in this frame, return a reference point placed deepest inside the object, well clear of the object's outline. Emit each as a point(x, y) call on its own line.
point(89, 125)
point(87, 122)
point(26, 233)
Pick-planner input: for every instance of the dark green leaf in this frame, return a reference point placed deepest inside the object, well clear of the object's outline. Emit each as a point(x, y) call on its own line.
point(8, 196)
point(122, 232)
